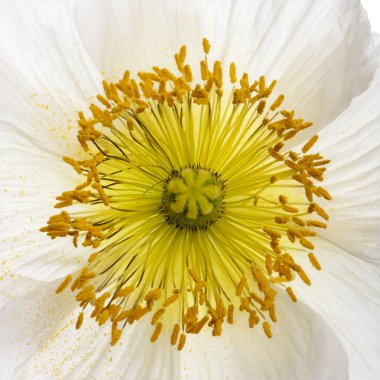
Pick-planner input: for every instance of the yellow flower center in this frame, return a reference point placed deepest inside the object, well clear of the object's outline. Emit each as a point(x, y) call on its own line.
point(192, 198)
point(194, 205)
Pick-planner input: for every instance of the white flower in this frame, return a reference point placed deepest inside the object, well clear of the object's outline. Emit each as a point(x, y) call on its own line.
point(54, 56)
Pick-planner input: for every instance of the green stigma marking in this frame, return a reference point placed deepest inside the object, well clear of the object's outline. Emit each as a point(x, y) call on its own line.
point(192, 198)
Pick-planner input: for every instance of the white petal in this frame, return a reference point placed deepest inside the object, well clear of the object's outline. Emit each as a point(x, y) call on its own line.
point(30, 181)
point(24, 326)
point(43, 342)
point(45, 74)
point(352, 142)
point(320, 51)
point(46, 77)
point(346, 294)
point(303, 347)
point(39, 341)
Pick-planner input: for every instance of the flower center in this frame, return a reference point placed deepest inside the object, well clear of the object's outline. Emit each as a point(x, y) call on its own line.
point(194, 207)
point(192, 198)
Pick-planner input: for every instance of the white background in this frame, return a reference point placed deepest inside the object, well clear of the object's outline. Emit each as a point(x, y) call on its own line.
point(373, 9)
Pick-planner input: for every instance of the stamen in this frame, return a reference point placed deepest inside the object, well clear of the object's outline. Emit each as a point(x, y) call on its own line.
point(277, 103)
point(309, 144)
point(182, 341)
point(156, 332)
point(195, 207)
point(79, 320)
point(267, 329)
point(233, 77)
point(64, 284)
point(291, 294)
point(157, 316)
point(206, 45)
point(174, 336)
point(314, 261)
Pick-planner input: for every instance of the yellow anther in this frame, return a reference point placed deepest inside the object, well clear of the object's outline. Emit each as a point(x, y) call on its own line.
point(73, 163)
point(64, 284)
point(104, 101)
point(281, 219)
point(107, 119)
point(206, 45)
point(154, 294)
point(123, 315)
point(182, 341)
point(262, 84)
point(288, 208)
point(81, 116)
point(199, 325)
point(174, 335)
point(241, 286)
point(275, 155)
point(188, 73)
point(293, 165)
point(62, 204)
point(306, 243)
point(314, 261)
point(261, 107)
point(218, 73)
point(291, 294)
point(272, 233)
point(298, 221)
point(93, 257)
point(124, 292)
point(116, 334)
point(79, 321)
point(193, 275)
point(271, 87)
point(277, 103)
point(253, 319)
point(319, 210)
point(101, 193)
point(202, 101)
point(269, 264)
point(301, 179)
point(267, 329)
point(325, 194)
point(114, 311)
point(293, 156)
point(96, 111)
point(316, 223)
point(157, 315)
point(99, 304)
point(272, 313)
point(230, 314)
point(233, 77)
point(278, 146)
point(182, 53)
point(309, 144)
point(199, 285)
point(204, 70)
point(86, 294)
point(106, 89)
point(170, 300)
point(304, 277)
point(156, 332)
point(202, 298)
point(278, 280)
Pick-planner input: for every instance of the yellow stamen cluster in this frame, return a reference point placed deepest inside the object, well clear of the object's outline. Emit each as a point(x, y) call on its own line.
point(194, 205)
point(62, 225)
